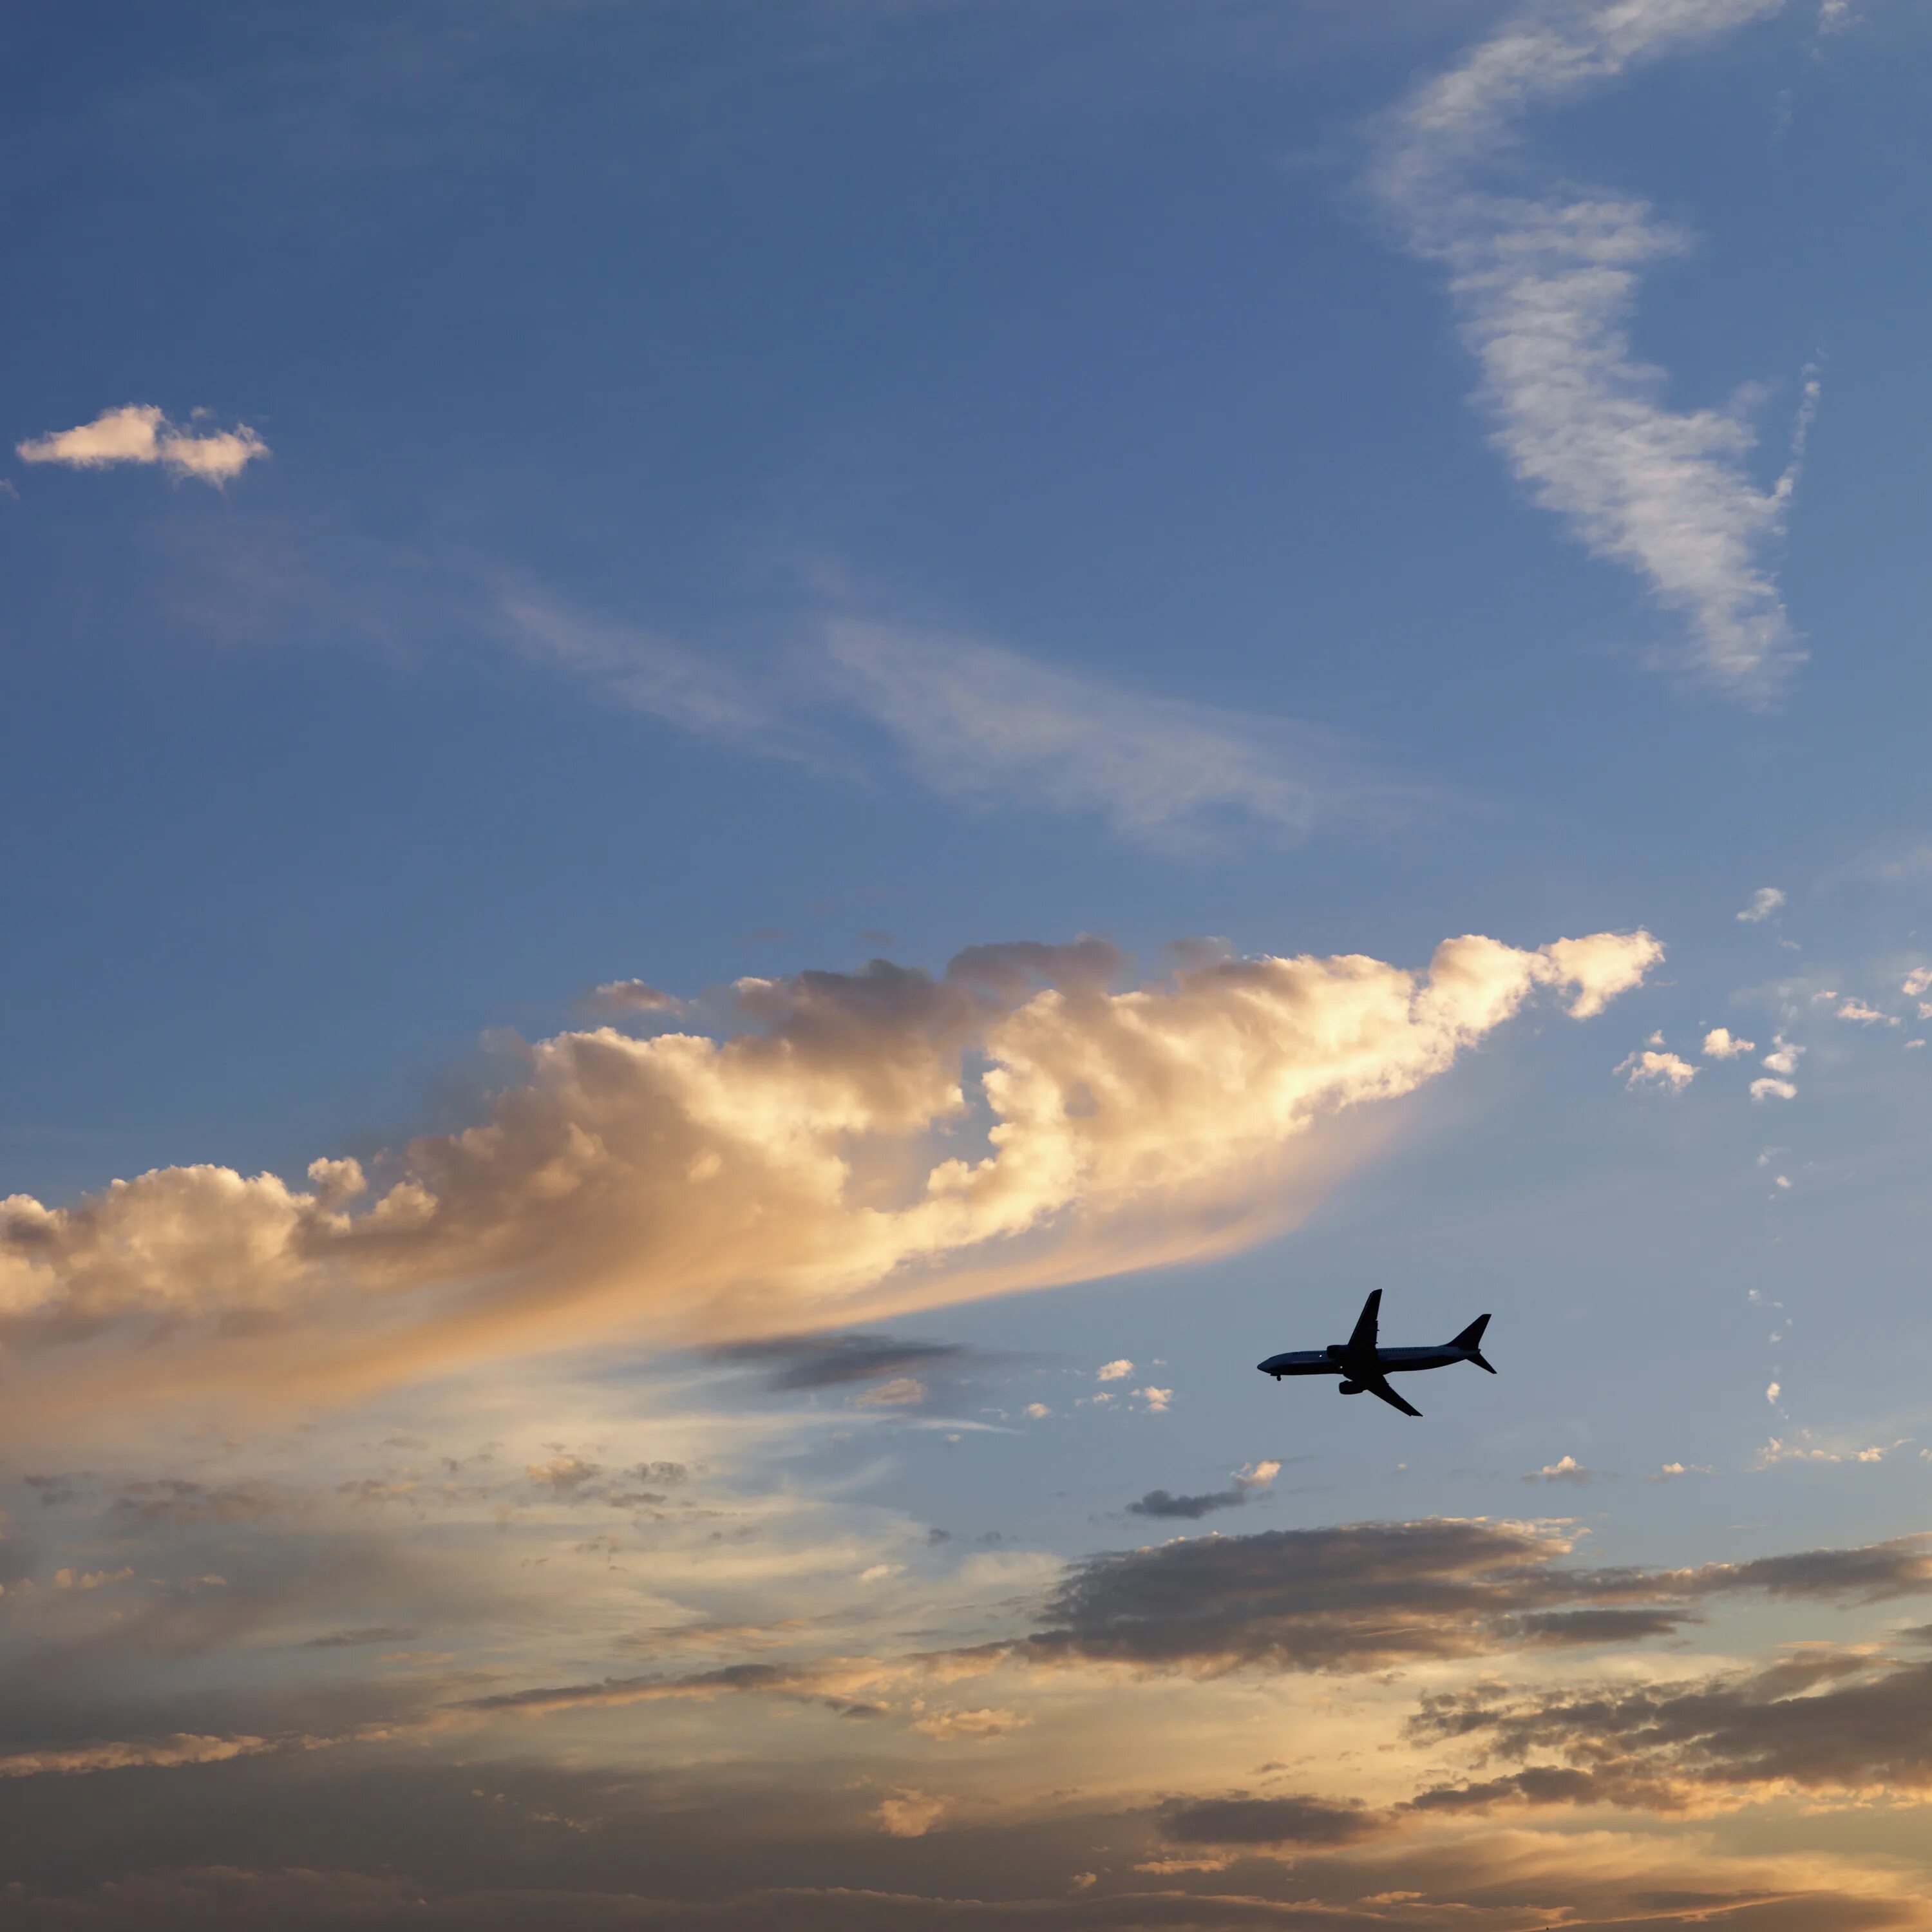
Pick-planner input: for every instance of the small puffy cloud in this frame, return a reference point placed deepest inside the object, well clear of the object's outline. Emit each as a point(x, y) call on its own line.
point(1719, 1044)
point(630, 996)
point(1114, 1371)
point(1772, 1391)
point(1919, 980)
point(1038, 1410)
point(1773, 1089)
point(565, 1475)
point(1857, 1009)
point(910, 1814)
point(1764, 902)
point(140, 433)
point(1157, 1399)
point(1566, 1469)
point(1660, 1069)
point(1783, 1057)
point(1670, 1471)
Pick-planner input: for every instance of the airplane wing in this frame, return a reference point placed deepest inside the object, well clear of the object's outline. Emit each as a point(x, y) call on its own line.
point(1363, 1341)
point(1378, 1385)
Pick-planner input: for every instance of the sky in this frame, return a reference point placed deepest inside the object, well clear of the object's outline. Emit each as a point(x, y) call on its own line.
point(771, 768)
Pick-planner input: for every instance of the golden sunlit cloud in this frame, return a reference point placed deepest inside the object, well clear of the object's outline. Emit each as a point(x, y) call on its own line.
point(831, 1160)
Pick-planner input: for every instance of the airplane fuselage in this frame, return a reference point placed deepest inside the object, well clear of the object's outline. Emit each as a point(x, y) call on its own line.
point(1332, 1362)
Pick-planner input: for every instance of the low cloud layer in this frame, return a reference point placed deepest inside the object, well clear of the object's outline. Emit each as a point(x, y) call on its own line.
point(830, 1160)
point(1816, 1721)
point(1365, 1596)
point(140, 432)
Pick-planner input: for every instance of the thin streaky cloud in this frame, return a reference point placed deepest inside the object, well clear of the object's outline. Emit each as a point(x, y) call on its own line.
point(1544, 285)
point(987, 726)
point(984, 726)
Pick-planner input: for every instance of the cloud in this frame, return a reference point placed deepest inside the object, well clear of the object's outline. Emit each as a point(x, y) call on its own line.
point(991, 728)
point(1720, 1045)
point(911, 1814)
point(825, 1162)
point(1247, 1484)
point(834, 1361)
point(1364, 1597)
point(1764, 902)
point(1865, 1014)
point(902, 1392)
point(1814, 1720)
point(1919, 980)
point(1773, 1089)
point(1783, 1057)
point(630, 996)
point(1299, 1820)
point(1566, 1470)
point(1113, 1372)
point(140, 433)
point(983, 725)
point(1661, 1070)
point(1543, 284)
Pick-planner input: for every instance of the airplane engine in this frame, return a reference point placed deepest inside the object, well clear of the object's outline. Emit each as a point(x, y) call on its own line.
point(1348, 1388)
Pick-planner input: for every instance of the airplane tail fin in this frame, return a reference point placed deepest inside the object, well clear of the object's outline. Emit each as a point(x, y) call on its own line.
point(1472, 1339)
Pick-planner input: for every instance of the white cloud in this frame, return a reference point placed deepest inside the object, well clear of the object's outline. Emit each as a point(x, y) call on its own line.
point(1772, 1392)
point(1257, 1475)
point(1783, 1057)
point(1764, 902)
point(631, 996)
point(985, 725)
point(1919, 980)
point(1158, 1400)
point(1773, 1089)
point(1719, 1045)
point(1038, 1410)
point(140, 433)
point(1114, 1371)
point(1567, 1469)
point(1866, 1016)
point(682, 1187)
point(1661, 1070)
point(1543, 285)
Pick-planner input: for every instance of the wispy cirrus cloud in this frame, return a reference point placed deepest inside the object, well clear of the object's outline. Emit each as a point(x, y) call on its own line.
point(987, 727)
point(1544, 282)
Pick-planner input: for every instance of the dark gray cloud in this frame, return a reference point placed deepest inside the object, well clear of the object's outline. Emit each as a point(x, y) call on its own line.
point(1363, 1596)
point(833, 1361)
point(1268, 1821)
point(1160, 1503)
point(1821, 1720)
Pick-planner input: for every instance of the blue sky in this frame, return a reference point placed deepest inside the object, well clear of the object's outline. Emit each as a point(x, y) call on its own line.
point(511, 499)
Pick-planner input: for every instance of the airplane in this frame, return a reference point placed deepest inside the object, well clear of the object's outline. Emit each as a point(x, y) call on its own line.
point(1365, 1367)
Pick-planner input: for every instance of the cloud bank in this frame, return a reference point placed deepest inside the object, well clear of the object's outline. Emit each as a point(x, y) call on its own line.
point(1543, 284)
point(831, 1160)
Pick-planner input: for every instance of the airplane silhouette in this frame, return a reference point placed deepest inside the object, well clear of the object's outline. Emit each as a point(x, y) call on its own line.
point(1365, 1367)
